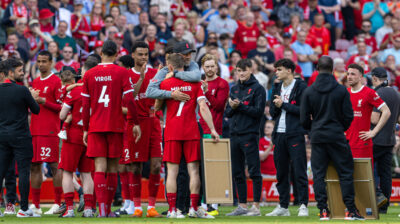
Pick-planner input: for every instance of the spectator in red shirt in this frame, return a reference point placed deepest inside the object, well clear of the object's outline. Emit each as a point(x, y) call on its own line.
point(361, 58)
point(321, 33)
point(118, 38)
point(267, 152)
point(289, 53)
point(67, 60)
point(179, 9)
point(273, 37)
point(96, 18)
point(45, 19)
point(279, 51)
point(387, 41)
point(245, 37)
point(79, 26)
point(368, 38)
point(151, 39)
point(294, 26)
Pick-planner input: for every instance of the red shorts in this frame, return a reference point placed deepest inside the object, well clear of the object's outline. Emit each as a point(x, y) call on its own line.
point(149, 145)
point(366, 152)
point(105, 144)
point(126, 152)
point(45, 149)
point(173, 151)
point(73, 156)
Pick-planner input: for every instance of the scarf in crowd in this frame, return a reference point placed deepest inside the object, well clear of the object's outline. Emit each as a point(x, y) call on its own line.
point(19, 11)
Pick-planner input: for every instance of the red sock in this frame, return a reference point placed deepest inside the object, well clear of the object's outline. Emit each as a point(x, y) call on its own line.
point(154, 183)
point(36, 197)
point(125, 185)
point(194, 199)
point(69, 200)
point(112, 183)
point(137, 190)
point(88, 201)
point(57, 193)
point(171, 198)
point(100, 187)
point(94, 195)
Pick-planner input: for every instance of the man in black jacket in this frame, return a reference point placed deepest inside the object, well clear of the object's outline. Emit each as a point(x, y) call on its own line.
point(326, 110)
point(245, 110)
point(288, 138)
point(15, 136)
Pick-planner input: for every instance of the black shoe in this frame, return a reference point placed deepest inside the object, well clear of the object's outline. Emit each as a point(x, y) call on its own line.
point(354, 215)
point(123, 212)
point(324, 214)
point(164, 213)
point(381, 200)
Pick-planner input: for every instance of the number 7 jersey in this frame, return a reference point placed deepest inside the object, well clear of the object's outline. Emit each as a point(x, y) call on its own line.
point(105, 86)
point(181, 121)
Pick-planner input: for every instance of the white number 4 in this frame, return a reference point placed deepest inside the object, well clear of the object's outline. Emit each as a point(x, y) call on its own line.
point(104, 98)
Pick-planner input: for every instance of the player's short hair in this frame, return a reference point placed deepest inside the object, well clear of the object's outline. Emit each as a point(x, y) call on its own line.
point(46, 53)
point(357, 67)
point(109, 48)
point(127, 61)
point(139, 44)
point(68, 46)
point(244, 63)
point(286, 63)
point(176, 60)
point(169, 50)
point(12, 64)
point(67, 76)
point(90, 63)
point(94, 57)
point(209, 57)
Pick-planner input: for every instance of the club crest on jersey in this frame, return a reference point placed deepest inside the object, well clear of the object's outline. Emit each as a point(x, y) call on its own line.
point(249, 91)
point(213, 92)
point(45, 89)
point(359, 103)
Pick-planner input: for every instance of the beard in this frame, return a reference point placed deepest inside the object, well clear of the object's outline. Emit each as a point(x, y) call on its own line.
point(223, 16)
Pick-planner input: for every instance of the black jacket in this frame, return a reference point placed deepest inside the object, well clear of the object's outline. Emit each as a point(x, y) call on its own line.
point(329, 106)
point(246, 118)
point(293, 126)
point(15, 102)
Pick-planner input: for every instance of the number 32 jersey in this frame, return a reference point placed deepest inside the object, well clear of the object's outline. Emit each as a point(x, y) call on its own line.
point(181, 121)
point(105, 85)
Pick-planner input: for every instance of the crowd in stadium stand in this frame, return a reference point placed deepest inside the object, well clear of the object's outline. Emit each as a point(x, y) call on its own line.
point(365, 32)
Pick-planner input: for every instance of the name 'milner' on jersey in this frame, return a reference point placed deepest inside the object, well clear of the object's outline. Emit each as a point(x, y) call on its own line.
point(105, 86)
point(181, 121)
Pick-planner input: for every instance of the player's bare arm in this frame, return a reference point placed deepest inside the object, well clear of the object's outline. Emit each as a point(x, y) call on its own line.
point(365, 135)
point(206, 115)
point(64, 112)
point(140, 81)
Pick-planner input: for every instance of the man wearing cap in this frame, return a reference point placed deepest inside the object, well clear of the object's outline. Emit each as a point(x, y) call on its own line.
point(191, 74)
point(273, 37)
point(118, 38)
point(79, 25)
point(222, 23)
point(279, 51)
point(67, 53)
point(45, 20)
point(384, 141)
point(36, 38)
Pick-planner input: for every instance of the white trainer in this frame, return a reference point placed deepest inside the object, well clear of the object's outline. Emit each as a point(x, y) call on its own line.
point(88, 213)
point(279, 211)
point(179, 214)
point(68, 214)
point(35, 210)
point(27, 214)
point(53, 209)
point(171, 215)
point(200, 213)
point(303, 210)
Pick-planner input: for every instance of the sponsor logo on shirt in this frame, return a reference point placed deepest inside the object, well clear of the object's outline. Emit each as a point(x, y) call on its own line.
point(357, 114)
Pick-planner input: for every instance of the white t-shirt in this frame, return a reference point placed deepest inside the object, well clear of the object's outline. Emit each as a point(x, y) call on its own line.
point(285, 94)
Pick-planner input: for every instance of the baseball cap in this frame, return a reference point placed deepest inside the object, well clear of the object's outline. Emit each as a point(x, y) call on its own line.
point(287, 35)
point(98, 43)
point(183, 47)
point(379, 72)
point(119, 35)
point(33, 21)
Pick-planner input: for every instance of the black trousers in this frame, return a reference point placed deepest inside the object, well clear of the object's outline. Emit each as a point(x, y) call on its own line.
point(287, 149)
point(11, 183)
point(22, 150)
point(183, 190)
point(340, 154)
point(383, 163)
point(244, 150)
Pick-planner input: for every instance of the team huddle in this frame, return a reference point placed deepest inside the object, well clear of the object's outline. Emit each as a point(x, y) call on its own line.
point(110, 126)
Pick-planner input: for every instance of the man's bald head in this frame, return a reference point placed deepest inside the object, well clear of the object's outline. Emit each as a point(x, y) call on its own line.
point(325, 65)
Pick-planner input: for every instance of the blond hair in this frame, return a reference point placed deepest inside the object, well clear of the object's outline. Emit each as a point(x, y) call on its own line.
point(209, 57)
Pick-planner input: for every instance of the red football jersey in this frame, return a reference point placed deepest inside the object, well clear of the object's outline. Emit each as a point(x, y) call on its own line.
point(268, 165)
point(144, 105)
point(47, 122)
point(371, 41)
point(363, 101)
point(105, 85)
point(217, 95)
point(323, 37)
point(246, 38)
point(59, 65)
point(358, 59)
point(272, 41)
point(181, 122)
point(73, 100)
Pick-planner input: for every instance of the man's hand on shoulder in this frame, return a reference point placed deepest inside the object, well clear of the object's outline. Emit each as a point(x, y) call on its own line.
point(180, 96)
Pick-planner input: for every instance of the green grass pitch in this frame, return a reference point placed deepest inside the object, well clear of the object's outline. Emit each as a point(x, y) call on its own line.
point(391, 217)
